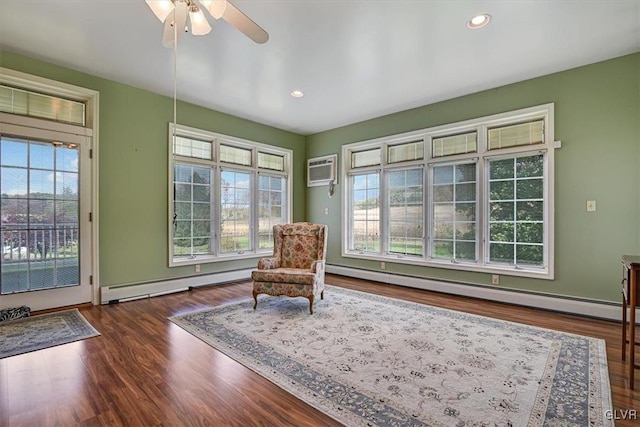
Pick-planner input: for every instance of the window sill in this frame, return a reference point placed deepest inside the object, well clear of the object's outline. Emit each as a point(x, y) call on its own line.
point(206, 259)
point(507, 270)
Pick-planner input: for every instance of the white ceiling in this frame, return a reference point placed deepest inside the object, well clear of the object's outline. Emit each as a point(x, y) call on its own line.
point(354, 60)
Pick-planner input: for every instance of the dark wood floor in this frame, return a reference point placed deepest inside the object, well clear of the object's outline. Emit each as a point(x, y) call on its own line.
point(146, 371)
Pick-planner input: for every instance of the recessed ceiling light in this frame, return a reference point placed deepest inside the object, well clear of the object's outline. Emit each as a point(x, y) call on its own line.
point(478, 21)
point(297, 94)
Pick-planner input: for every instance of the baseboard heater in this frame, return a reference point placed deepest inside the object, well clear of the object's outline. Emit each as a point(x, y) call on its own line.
point(597, 309)
point(121, 293)
point(602, 310)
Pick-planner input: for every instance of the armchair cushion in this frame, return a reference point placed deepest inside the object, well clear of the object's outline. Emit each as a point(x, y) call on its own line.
point(300, 245)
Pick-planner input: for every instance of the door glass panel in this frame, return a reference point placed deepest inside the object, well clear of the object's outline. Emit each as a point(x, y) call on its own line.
point(40, 215)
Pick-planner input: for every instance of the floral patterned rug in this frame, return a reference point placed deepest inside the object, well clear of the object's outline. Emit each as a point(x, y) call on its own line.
point(369, 360)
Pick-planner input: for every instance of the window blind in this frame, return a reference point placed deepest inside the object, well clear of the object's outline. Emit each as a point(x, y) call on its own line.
point(455, 144)
point(192, 148)
point(516, 135)
point(270, 161)
point(26, 103)
point(360, 159)
point(405, 152)
point(236, 155)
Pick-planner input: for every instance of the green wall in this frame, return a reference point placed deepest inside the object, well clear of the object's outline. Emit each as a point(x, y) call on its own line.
point(597, 116)
point(133, 163)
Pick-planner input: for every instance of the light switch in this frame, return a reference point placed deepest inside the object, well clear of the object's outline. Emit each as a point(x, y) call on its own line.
point(591, 205)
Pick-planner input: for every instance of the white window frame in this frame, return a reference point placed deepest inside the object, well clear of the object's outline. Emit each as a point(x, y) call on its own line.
point(481, 125)
point(386, 207)
point(486, 224)
point(349, 216)
point(216, 255)
point(429, 213)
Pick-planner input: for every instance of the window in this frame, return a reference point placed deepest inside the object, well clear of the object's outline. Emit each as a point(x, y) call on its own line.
point(270, 161)
point(453, 209)
point(192, 210)
point(475, 195)
point(365, 213)
point(516, 210)
point(239, 156)
point(271, 207)
point(226, 195)
point(406, 211)
point(361, 159)
point(455, 144)
point(405, 152)
point(235, 211)
point(188, 147)
point(515, 135)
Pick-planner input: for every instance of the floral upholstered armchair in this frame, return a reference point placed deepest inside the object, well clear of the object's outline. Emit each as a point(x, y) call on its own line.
point(297, 266)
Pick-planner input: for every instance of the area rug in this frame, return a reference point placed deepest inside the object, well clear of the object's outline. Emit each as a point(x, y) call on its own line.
point(43, 331)
point(368, 360)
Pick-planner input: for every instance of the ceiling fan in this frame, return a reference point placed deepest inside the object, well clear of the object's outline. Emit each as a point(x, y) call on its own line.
point(174, 12)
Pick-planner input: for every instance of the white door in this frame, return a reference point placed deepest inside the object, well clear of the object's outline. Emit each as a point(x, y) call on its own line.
point(45, 230)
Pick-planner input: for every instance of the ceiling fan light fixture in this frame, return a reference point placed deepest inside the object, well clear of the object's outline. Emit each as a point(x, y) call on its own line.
point(161, 8)
point(199, 24)
point(217, 8)
point(478, 21)
point(173, 13)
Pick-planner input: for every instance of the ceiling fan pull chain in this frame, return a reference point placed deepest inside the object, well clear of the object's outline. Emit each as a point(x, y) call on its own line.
point(175, 84)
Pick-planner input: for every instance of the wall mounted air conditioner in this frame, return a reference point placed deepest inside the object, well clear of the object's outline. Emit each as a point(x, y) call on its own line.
point(322, 170)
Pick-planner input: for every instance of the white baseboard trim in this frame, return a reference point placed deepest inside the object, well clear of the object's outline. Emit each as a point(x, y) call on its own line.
point(584, 308)
point(567, 305)
point(123, 293)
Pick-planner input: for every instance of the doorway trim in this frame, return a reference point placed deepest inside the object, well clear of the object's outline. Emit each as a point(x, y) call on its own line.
point(91, 98)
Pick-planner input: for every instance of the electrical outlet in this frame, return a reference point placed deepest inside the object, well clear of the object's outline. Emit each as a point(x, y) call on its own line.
point(495, 279)
point(197, 268)
point(383, 265)
point(326, 211)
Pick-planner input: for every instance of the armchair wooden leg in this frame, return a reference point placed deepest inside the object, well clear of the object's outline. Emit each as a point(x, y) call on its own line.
point(311, 304)
point(322, 295)
point(255, 298)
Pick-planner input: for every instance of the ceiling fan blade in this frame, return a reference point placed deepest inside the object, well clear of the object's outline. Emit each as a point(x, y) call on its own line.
point(244, 24)
point(178, 17)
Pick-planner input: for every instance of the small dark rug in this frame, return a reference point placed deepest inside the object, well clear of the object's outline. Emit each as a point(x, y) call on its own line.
point(43, 331)
point(14, 313)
